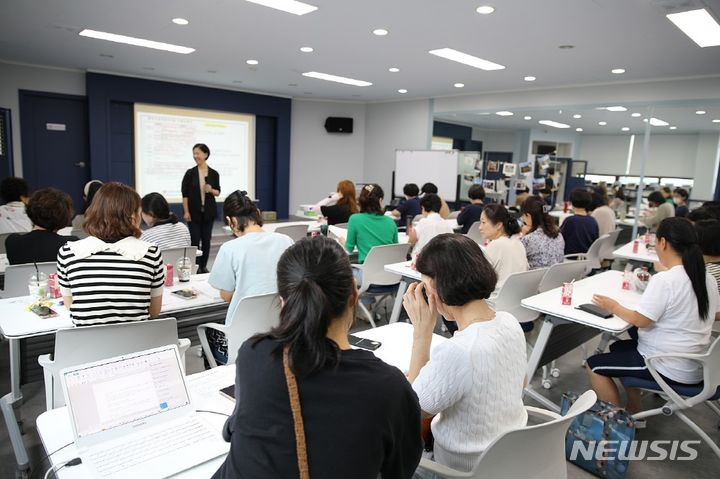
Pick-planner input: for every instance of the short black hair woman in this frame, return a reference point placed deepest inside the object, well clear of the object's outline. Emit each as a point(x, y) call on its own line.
point(165, 230)
point(476, 378)
point(302, 385)
point(200, 186)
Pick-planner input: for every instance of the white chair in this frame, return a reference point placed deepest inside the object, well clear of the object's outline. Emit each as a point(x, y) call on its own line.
point(592, 255)
point(517, 287)
point(376, 281)
point(3, 237)
point(536, 451)
point(17, 277)
point(416, 218)
point(253, 314)
point(474, 233)
point(453, 215)
point(173, 255)
point(295, 232)
point(608, 246)
point(85, 344)
point(680, 398)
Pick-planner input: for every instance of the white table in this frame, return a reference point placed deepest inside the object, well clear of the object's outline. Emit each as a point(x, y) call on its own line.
point(560, 216)
point(407, 276)
point(55, 430)
point(588, 325)
point(16, 323)
point(642, 255)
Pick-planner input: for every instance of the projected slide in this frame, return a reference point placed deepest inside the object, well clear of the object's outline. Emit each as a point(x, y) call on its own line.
point(164, 137)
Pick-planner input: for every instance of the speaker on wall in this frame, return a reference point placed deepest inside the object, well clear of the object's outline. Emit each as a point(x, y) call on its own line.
point(335, 124)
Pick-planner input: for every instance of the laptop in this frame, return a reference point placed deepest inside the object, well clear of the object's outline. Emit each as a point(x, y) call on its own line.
point(131, 416)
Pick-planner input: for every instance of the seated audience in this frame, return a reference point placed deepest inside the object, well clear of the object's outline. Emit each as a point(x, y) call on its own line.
point(680, 198)
point(166, 231)
point(579, 230)
point(505, 253)
point(473, 383)
point(13, 219)
point(659, 210)
point(49, 210)
point(345, 205)
point(544, 245)
point(619, 201)
point(431, 188)
point(409, 208)
point(603, 214)
point(329, 200)
point(708, 232)
point(666, 192)
point(702, 213)
point(360, 417)
point(91, 187)
point(112, 275)
point(429, 226)
point(713, 207)
point(520, 196)
point(471, 213)
point(675, 315)
point(370, 227)
point(246, 265)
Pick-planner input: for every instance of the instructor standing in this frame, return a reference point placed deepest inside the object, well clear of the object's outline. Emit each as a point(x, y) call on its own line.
point(200, 186)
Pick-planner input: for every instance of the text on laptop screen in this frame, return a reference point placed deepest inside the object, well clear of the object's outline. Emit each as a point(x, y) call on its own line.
point(109, 395)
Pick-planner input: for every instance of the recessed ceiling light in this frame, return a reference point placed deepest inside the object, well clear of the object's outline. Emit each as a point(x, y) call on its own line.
point(252, 62)
point(485, 10)
point(306, 49)
point(180, 21)
point(554, 124)
point(700, 112)
point(289, 6)
point(673, 128)
point(577, 115)
point(459, 85)
point(529, 78)
point(636, 114)
point(602, 123)
point(645, 120)
point(658, 122)
point(504, 113)
point(617, 71)
point(381, 32)
point(615, 108)
point(527, 118)
point(464, 58)
point(337, 79)
point(625, 128)
point(717, 120)
point(402, 90)
point(578, 129)
point(566, 47)
point(393, 70)
point(138, 42)
point(699, 25)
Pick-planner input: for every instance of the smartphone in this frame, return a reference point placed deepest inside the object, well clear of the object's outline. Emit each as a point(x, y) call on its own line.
point(363, 343)
point(43, 312)
point(186, 293)
point(228, 392)
point(596, 310)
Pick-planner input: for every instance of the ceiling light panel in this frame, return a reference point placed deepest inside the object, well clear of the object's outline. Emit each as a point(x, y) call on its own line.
point(699, 25)
point(336, 79)
point(289, 6)
point(466, 59)
point(554, 124)
point(138, 42)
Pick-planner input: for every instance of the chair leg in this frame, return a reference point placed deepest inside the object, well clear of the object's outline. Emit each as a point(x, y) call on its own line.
point(366, 313)
point(699, 432)
point(713, 406)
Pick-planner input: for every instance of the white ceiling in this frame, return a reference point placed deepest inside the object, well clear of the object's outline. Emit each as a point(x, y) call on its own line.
point(523, 35)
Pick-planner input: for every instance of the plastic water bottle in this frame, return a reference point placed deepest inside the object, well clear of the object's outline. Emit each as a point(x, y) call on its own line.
point(184, 269)
point(38, 286)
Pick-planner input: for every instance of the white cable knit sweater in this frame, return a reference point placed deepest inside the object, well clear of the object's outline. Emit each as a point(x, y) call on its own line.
point(474, 383)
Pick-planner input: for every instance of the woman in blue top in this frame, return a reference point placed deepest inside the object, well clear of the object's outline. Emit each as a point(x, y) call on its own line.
point(246, 265)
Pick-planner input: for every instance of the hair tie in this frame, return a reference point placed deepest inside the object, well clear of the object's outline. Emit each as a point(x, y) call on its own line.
point(242, 193)
point(369, 188)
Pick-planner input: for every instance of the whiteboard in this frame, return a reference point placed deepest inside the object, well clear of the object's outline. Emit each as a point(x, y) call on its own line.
point(164, 137)
point(434, 166)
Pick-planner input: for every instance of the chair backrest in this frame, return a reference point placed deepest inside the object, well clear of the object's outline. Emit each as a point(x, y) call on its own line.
point(374, 266)
point(417, 218)
point(474, 233)
point(173, 255)
point(86, 344)
point(3, 237)
point(17, 277)
point(517, 287)
point(593, 253)
point(500, 459)
point(608, 245)
point(453, 215)
point(295, 232)
point(253, 314)
point(624, 236)
point(561, 273)
point(711, 367)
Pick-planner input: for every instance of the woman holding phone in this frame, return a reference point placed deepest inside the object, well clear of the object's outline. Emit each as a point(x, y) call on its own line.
point(200, 186)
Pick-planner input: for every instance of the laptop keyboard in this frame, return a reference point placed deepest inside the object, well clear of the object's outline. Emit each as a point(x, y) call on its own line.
point(145, 447)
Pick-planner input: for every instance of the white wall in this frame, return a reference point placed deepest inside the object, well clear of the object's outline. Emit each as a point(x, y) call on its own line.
point(394, 126)
point(23, 77)
point(318, 159)
point(494, 140)
point(708, 149)
point(605, 154)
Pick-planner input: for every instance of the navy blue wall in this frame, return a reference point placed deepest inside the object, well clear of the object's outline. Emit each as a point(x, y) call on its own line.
point(110, 108)
point(461, 135)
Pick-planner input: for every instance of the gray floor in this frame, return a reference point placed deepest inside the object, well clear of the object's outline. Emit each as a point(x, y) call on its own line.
point(572, 378)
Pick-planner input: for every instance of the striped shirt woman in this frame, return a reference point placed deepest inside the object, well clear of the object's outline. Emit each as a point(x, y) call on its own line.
point(165, 230)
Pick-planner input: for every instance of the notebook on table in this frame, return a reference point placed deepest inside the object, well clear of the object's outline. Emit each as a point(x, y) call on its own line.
point(132, 416)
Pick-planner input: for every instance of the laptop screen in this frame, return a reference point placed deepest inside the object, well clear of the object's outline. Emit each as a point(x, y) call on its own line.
point(108, 395)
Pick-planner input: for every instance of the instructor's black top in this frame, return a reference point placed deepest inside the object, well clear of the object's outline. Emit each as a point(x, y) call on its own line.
point(361, 418)
point(37, 246)
point(191, 191)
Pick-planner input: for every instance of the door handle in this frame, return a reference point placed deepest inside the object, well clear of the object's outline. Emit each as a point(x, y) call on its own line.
point(80, 164)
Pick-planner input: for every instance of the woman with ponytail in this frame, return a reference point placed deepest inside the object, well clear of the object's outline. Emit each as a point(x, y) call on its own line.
point(675, 315)
point(505, 253)
point(302, 391)
point(246, 265)
point(164, 228)
point(370, 227)
point(544, 245)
